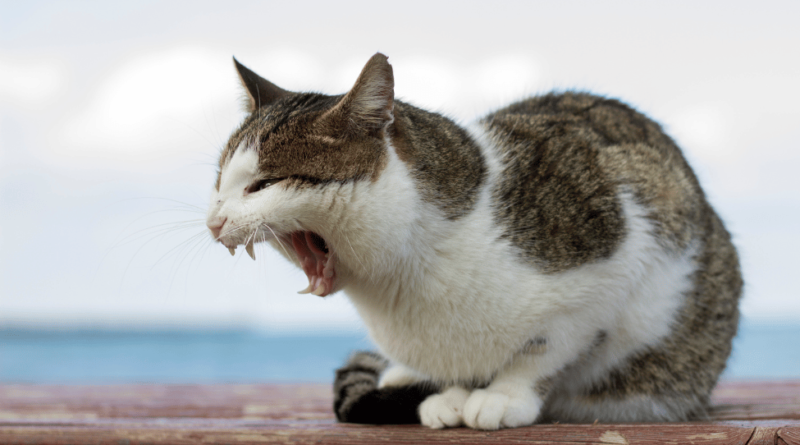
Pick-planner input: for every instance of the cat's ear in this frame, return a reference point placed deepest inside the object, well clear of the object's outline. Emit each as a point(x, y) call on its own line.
point(260, 91)
point(370, 103)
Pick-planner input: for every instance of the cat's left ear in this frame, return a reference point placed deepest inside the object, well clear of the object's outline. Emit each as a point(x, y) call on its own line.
point(369, 105)
point(260, 91)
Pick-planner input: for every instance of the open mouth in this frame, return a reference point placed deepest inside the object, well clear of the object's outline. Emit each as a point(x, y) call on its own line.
point(317, 261)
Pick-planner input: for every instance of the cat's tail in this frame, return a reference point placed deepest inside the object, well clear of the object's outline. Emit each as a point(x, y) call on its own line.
point(357, 398)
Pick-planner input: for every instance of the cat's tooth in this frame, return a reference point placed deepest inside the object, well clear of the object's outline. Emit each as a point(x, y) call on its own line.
point(306, 290)
point(250, 251)
point(320, 290)
point(232, 250)
point(327, 271)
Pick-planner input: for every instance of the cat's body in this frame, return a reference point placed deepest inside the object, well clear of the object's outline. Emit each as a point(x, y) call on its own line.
point(557, 259)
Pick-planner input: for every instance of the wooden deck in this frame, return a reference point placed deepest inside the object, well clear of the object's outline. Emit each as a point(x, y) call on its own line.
point(744, 413)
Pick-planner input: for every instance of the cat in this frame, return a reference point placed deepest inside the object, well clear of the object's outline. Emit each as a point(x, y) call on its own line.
point(555, 260)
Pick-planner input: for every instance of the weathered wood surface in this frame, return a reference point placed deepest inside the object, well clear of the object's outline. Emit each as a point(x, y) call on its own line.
point(744, 413)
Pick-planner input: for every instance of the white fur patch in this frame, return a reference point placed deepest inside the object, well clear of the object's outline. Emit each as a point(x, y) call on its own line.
point(399, 375)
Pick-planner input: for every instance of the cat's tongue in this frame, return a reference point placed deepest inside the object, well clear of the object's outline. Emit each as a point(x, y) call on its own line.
point(316, 263)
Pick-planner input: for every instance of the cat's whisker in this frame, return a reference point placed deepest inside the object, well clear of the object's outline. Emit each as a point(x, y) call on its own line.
point(122, 238)
point(218, 135)
point(158, 230)
point(150, 232)
point(155, 235)
point(188, 207)
point(199, 245)
point(199, 261)
point(231, 231)
point(183, 252)
point(176, 249)
point(204, 137)
point(278, 240)
point(355, 255)
point(249, 244)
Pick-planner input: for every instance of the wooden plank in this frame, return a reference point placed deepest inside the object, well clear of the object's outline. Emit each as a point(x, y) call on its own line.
point(168, 401)
point(763, 436)
point(746, 401)
point(756, 400)
point(744, 413)
point(156, 431)
point(789, 435)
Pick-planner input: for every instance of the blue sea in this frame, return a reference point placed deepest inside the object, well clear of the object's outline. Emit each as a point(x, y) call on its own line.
point(761, 351)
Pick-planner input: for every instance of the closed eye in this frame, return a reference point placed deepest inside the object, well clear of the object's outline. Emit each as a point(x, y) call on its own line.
point(261, 185)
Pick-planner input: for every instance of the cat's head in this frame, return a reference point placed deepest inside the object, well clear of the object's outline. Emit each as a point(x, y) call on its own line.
point(287, 174)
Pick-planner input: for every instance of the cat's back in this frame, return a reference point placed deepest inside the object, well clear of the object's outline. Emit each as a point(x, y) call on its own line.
point(566, 159)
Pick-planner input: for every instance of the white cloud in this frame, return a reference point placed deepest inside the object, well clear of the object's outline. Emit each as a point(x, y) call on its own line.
point(29, 83)
point(157, 104)
point(149, 103)
point(506, 78)
point(427, 82)
point(290, 69)
point(705, 131)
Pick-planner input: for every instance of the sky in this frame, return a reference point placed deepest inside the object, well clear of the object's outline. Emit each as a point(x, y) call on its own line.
point(112, 115)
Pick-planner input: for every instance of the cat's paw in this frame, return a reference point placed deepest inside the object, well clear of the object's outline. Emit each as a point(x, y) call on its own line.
point(491, 410)
point(445, 409)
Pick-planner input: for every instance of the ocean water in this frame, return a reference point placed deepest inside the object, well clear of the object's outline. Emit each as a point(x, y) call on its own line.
point(761, 351)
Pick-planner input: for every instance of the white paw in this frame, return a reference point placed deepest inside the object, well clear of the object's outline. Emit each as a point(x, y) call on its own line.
point(445, 409)
point(490, 410)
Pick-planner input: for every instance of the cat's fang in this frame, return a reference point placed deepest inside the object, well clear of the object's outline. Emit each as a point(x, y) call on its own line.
point(249, 248)
point(306, 290)
point(320, 290)
point(232, 250)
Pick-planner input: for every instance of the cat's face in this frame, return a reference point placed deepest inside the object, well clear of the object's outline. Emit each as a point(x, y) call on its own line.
point(283, 172)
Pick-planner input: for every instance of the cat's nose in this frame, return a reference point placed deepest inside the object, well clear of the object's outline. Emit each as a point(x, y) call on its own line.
point(215, 225)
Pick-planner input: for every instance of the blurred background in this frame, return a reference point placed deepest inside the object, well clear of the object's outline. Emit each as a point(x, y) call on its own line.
point(112, 115)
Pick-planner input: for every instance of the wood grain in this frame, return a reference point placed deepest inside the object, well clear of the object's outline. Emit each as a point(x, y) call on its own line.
point(789, 435)
point(744, 413)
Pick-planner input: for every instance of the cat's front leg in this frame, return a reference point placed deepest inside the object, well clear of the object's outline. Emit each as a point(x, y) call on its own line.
point(510, 401)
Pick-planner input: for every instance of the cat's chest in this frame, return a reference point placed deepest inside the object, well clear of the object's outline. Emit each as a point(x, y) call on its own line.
point(441, 342)
point(459, 318)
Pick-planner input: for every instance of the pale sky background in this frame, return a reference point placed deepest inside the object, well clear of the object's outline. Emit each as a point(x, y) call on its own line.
point(112, 115)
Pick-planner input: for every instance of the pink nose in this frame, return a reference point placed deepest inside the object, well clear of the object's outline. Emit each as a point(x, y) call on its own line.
point(215, 225)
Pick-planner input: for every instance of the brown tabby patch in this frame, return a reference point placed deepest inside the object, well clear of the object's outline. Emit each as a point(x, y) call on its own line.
point(558, 204)
point(567, 156)
point(444, 160)
point(294, 141)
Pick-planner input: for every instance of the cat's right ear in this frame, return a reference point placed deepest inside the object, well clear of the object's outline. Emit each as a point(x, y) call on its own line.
point(260, 91)
point(369, 104)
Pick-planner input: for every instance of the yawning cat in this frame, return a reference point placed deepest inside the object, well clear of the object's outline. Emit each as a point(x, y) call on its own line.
point(555, 260)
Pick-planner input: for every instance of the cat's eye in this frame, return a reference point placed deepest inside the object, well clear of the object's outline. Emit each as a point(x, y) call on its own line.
point(261, 184)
